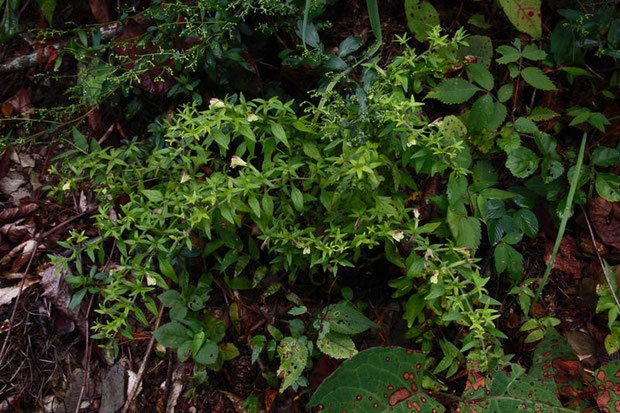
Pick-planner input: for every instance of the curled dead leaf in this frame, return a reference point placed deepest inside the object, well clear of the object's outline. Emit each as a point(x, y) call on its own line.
point(10, 214)
point(565, 259)
point(8, 294)
point(605, 217)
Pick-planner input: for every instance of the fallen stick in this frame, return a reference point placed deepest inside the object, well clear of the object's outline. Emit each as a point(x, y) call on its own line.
point(33, 59)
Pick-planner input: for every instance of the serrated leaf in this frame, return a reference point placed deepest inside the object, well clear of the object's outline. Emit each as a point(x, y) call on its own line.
point(524, 15)
point(378, 379)
point(536, 78)
point(293, 359)
point(481, 75)
point(540, 113)
point(508, 258)
point(466, 230)
point(603, 156)
point(522, 162)
point(509, 54)
point(527, 221)
point(505, 92)
point(336, 345)
point(454, 91)
point(532, 52)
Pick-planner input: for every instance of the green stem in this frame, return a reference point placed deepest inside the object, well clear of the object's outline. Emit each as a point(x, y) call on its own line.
point(565, 216)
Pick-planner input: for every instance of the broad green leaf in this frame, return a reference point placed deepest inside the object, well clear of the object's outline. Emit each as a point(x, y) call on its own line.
point(298, 198)
point(505, 92)
point(377, 380)
point(172, 334)
point(466, 230)
point(453, 91)
point(293, 359)
point(532, 52)
point(278, 132)
point(508, 258)
point(47, 8)
point(509, 54)
point(527, 222)
point(608, 186)
point(524, 15)
point(540, 113)
point(349, 45)
point(336, 345)
point(344, 319)
point(604, 156)
point(153, 195)
point(481, 75)
point(524, 125)
point(497, 117)
point(536, 78)
point(481, 47)
point(481, 112)
point(166, 269)
point(522, 162)
point(207, 354)
point(421, 17)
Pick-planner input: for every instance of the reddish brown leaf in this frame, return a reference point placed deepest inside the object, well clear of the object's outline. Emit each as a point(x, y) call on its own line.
point(10, 214)
point(565, 259)
point(21, 103)
point(605, 217)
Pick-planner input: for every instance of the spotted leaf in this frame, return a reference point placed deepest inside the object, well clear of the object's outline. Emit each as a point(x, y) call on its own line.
point(377, 380)
point(524, 15)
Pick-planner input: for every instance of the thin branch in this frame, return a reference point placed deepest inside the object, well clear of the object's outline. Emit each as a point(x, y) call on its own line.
point(134, 390)
point(600, 259)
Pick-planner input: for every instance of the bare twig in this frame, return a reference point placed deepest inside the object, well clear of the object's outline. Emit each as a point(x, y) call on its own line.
point(133, 391)
point(600, 260)
point(86, 357)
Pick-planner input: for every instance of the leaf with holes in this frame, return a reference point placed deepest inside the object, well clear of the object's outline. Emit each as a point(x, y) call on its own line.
point(377, 380)
point(293, 354)
point(336, 345)
point(524, 15)
point(344, 319)
point(480, 47)
point(421, 17)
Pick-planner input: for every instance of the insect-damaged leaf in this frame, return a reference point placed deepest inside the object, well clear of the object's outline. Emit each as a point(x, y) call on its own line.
point(378, 379)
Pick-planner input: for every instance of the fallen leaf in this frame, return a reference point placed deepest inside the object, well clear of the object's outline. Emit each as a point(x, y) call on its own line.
point(113, 389)
point(99, 9)
point(176, 387)
point(605, 218)
point(584, 347)
point(21, 103)
point(10, 214)
point(8, 294)
point(17, 231)
point(565, 259)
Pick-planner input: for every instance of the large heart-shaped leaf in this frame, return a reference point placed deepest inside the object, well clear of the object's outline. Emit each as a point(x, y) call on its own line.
point(377, 380)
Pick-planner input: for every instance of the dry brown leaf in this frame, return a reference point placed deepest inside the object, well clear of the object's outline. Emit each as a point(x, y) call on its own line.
point(21, 103)
point(10, 214)
point(19, 230)
point(605, 218)
point(565, 259)
point(8, 294)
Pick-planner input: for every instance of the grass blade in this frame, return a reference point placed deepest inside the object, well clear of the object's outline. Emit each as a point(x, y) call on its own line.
point(565, 215)
point(304, 23)
point(375, 22)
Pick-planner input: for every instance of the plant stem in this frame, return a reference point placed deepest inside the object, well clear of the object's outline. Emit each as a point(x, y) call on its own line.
point(565, 216)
